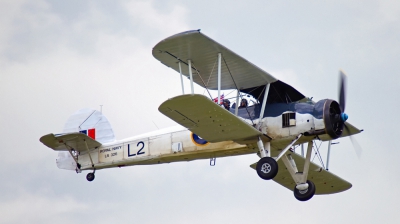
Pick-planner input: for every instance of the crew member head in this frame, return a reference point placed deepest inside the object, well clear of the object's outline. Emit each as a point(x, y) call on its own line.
point(243, 103)
point(227, 104)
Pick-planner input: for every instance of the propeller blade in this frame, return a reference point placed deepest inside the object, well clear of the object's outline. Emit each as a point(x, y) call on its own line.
point(342, 91)
point(356, 146)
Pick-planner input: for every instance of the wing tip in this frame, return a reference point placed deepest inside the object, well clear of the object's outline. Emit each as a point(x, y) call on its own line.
point(48, 140)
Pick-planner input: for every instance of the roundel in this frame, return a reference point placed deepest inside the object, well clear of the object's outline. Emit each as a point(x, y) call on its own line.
point(197, 140)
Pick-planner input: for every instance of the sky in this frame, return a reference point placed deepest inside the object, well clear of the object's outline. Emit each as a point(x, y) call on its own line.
point(57, 57)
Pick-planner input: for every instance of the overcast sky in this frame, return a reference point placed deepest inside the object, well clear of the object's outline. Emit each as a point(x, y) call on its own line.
point(57, 57)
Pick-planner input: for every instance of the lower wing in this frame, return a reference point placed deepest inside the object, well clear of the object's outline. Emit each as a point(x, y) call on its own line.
point(325, 181)
point(207, 119)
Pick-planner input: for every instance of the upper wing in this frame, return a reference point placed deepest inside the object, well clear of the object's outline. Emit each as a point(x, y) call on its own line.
point(73, 140)
point(236, 72)
point(208, 120)
point(203, 52)
point(325, 181)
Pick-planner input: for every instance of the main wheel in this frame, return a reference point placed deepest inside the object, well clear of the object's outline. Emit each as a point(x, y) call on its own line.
point(307, 194)
point(90, 176)
point(267, 168)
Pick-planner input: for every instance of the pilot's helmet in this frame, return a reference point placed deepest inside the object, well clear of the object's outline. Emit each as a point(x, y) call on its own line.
point(227, 101)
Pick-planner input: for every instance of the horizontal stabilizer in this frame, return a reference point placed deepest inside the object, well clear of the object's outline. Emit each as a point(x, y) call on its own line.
point(75, 140)
point(325, 181)
point(207, 119)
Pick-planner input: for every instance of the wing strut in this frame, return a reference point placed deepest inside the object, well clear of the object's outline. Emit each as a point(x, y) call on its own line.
point(180, 71)
point(328, 155)
point(219, 78)
point(237, 103)
point(191, 75)
point(263, 104)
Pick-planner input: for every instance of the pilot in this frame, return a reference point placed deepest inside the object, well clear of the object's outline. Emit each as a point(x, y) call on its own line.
point(227, 104)
point(243, 103)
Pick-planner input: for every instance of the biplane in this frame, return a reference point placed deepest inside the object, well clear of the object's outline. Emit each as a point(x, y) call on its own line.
point(278, 120)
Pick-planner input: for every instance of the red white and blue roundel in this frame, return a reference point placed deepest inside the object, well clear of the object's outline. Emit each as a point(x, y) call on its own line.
point(197, 140)
point(89, 132)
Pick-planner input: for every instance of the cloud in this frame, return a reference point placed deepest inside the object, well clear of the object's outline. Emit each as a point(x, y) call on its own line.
point(52, 65)
point(35, 30)
point(59, 56)
point(28, 208)
point(168, 20)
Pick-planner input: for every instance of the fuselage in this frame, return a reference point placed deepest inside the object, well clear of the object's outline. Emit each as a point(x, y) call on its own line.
point(163, 146)
point(281, 123)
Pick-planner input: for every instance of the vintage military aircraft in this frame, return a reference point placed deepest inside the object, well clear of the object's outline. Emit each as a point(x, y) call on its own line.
point(280, 119)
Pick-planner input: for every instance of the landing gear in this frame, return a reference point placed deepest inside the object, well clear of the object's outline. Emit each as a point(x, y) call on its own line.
point(90, 176)
point(78, 168)
point(306, 194)
point(267, 168)
point(305, 189)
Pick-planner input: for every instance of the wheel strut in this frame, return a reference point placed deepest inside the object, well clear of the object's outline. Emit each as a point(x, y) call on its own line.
point(304, 189)
point(267, 167)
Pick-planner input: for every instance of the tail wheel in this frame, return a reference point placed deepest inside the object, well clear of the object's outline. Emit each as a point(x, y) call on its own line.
point(307, 194)
point(90, 176)
point(267, 168)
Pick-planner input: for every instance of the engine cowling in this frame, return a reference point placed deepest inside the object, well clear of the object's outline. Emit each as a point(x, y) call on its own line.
point(329, 111)
point(333, 122)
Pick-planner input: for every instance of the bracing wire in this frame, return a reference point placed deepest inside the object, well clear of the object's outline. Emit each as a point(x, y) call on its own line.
point(202, 81)
point(317, 153)
point(209, 77)
point(236, 87)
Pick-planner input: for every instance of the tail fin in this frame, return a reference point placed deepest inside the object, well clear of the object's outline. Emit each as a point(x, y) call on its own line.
point(90, 122)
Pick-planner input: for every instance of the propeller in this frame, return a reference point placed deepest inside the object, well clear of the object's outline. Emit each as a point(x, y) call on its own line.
point(342, 96)
point(343, 115)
